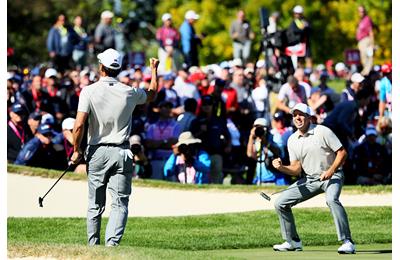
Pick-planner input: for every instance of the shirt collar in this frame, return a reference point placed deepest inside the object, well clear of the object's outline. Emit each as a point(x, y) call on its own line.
point(108, 79)
point(310, 131)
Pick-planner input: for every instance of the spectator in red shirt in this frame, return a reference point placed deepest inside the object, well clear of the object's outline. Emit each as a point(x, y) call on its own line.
point(168, 37)
point(365, 38)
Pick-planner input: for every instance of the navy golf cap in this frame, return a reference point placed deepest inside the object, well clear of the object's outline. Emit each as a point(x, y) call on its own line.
point(17, 108)
point(45, 129)
point(35, 116)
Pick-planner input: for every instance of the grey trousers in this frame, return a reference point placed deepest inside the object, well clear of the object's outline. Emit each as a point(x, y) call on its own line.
point(289, 198)
point(108, 167)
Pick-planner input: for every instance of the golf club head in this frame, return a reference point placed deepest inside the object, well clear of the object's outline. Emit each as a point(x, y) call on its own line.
point(265, 196)
point(41, 202)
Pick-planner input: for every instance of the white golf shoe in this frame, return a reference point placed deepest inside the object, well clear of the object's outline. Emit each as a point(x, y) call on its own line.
point(289, 246)
point(347, 247)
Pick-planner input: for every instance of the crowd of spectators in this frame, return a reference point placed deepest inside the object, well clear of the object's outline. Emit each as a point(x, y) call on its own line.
point(207, 122)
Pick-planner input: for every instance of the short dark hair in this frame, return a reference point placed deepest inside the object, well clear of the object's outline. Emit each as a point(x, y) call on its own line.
point(110, 72)
point(190, 105)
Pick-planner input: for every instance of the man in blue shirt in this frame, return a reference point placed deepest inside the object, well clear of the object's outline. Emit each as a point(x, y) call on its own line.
point(189, 39)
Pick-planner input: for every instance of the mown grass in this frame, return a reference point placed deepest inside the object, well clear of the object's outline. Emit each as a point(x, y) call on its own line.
point(31, 171)
point(163, 235)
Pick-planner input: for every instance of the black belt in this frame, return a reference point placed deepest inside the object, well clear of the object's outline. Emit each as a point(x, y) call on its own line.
point(113, 145)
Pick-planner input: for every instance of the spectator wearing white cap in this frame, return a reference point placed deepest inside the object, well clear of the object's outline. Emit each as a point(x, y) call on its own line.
point(189, 39)
point(315, 151)
point(242, 36)
point(350, 92)
point(300, 32)
point(60, 43)
point(108, 105)
point(168, 38)
point(104, 35)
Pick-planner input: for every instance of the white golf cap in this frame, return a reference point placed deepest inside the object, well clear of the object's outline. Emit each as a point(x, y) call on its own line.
point(298, 9)
point(302, 108)
point(110, 58)
point(237, 62)
point(134, 139)
point(50, 72)
point(68, 123)
point(261, 122)
point(357, 77)
point(107, 14)
point(340, 66)
point(166, 16)
point(191, 15)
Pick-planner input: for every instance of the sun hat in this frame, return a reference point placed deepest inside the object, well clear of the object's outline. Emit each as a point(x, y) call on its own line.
point(187, 138)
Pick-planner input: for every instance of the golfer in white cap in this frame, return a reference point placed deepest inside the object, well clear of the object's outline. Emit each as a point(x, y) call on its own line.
point(108, 106)
point(316, 151)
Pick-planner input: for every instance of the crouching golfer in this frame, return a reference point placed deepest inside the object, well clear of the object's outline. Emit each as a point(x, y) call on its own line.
point(109, 105)
point(318, 152)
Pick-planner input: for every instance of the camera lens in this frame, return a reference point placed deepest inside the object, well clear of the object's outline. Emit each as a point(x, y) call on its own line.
point(136, 148)
point(259, 132)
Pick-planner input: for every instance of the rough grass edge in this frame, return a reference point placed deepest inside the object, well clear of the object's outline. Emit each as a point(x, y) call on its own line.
point(54, 174)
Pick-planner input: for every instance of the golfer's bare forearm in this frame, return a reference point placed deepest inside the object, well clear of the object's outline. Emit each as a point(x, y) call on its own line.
point(341, 155)
point(290, 170)
point(79, 129)
point(153, 87)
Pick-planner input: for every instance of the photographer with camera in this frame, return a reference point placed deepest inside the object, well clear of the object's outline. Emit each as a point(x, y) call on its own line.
point(141, 165)
point(188, 163)
point(261, 148)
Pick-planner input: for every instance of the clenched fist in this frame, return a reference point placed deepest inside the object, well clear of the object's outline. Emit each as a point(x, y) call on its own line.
point(154, 63)
point(277, 163)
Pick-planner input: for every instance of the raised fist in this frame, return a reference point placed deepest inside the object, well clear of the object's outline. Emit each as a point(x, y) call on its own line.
point(154, 63)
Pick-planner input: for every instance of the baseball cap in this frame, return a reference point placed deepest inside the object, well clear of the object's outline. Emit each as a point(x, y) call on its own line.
point(68, 123)
point(107, 14)
point(191, 15)
point(237, 62)
point(357, 77)
point(340, 66)
point(50, 72)
point(166, 16)
point(279, 115)
point(45, 129)
point(302, 108)
point(17, 108)
point(134, 139)
point(371, 130)
point(298, 9)
point(35, 116)
point(165, 103)
point(111, 59)
point(261, 122)
point(124, 74)
point(47, 119)
point(168, 76)
point(386, 68)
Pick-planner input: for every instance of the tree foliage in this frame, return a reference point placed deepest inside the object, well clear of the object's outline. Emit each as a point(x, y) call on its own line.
point(334, 23)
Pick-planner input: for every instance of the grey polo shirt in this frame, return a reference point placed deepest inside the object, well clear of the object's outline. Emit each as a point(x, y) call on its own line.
point(109, 104)
point(316, 150)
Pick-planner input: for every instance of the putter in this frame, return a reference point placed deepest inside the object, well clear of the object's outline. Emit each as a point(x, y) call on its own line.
point(265, 196)
point(42, 198)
